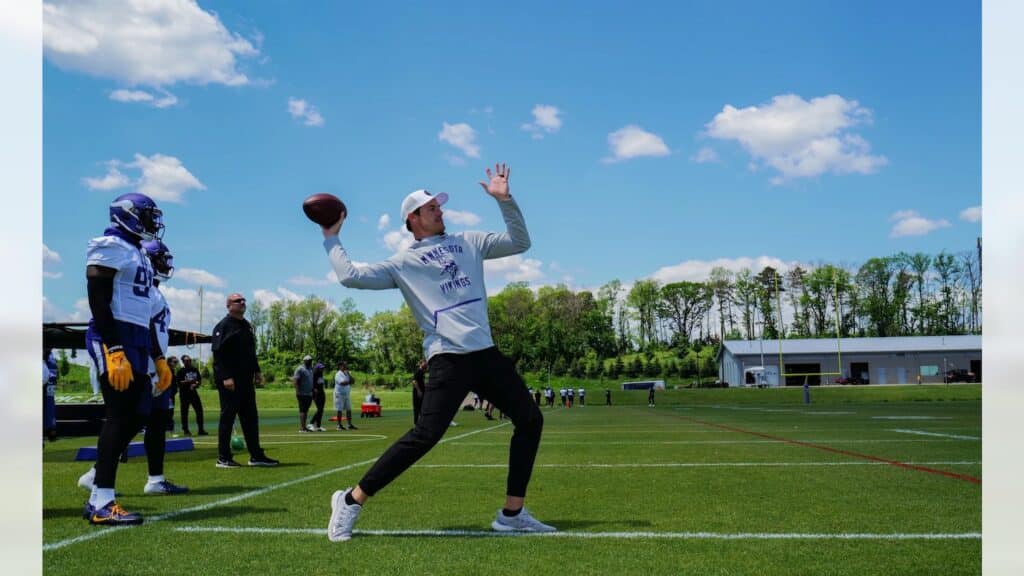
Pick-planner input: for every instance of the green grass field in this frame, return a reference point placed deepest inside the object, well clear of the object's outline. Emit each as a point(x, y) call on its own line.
point(862, 481)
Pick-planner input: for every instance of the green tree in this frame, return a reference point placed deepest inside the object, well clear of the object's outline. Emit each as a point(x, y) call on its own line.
point(643, 300)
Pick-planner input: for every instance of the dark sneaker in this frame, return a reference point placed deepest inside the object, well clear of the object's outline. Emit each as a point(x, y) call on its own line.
point(263, 461)
point(164, 487)
point(229, 463)
point(340, 427)
point(113, 515)
point(204, 433)
point(351, 427)
point(186, 433)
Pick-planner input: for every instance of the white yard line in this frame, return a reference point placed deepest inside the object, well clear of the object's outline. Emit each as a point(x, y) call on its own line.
point(923, 433)
point(911, 417)
point(321, 532)
point(702, 442)
point(710, 464)
point(100, 531)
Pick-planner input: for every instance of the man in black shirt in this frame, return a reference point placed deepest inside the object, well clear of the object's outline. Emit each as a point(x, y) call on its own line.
point(189, 379)
point(236, 372)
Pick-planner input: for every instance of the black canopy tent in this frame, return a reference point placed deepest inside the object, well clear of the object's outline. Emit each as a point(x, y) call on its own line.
point(86, 418)
point(71, 335)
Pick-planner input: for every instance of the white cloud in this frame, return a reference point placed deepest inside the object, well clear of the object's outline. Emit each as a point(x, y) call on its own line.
point(461, 218)
point(398, 240)
point(153, 43)
point(199, 277)
point(164, 177)
point(302, 110)
point(265, 297)
point(113, 179)
point(50, 258)
point(632, 142)
point(514, 268)
point(455, 160)
point(309, 281)
point(700, 270)
point(705, 154)
point(971, 214)
point(910, 223)
point(165, 101)
point(50, 311)
point(545, 120)
point(289, 295)
point(384, 221)
point(800, 139)
point(185, 305)
point(461, 136)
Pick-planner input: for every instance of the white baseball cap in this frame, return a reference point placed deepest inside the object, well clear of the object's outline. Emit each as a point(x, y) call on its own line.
point(418, 198)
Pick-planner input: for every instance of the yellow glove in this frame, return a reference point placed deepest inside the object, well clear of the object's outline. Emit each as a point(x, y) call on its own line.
point(163, 373)
point(119, 369)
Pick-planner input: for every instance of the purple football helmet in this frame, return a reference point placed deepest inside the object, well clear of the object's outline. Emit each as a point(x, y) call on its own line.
point(161, 257)
point(137, 214)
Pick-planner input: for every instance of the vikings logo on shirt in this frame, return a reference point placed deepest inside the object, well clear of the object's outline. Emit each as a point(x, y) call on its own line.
point(451, 269)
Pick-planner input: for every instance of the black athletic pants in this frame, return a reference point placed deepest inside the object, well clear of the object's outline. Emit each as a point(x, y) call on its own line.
point(122, 422)
point(155, 439)
point(319, 399)
point(190, 398)
point(241, 403)
point(491, 375)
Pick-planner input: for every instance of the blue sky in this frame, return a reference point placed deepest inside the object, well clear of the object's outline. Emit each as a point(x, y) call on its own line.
point(656, 140)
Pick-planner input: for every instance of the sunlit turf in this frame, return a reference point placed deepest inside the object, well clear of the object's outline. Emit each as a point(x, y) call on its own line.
point(698, 485)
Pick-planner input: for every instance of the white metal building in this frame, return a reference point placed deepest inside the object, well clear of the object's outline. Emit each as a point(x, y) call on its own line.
point(896, 360)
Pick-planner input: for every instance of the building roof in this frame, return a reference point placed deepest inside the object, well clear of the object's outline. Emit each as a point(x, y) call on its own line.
point(857, 345)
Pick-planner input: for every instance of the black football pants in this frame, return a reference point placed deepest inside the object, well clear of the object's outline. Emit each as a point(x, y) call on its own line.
point(491, 375)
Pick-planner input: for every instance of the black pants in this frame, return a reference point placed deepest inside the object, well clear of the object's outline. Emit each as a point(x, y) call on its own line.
point(188, 397)
point(417, 404)
point(241, 403)
point(155, 439)
point(491, 375)
point(318, 399)
point(122, 422)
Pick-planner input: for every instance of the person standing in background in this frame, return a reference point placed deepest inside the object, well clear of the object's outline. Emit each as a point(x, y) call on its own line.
point(236, 373)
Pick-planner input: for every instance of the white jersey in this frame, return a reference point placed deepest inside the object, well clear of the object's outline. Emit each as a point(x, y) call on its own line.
point(133, 281)
point(161, 317)
point(582, 392)
point(442, 280)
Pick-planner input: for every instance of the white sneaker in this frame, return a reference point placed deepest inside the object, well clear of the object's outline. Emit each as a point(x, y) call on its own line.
point(87, 480)
point(321, 429)
point(343, 517)
point(310, 428)
point(521, 522)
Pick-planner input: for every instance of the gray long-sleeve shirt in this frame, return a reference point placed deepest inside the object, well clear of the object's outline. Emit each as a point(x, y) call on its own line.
point(442, 280)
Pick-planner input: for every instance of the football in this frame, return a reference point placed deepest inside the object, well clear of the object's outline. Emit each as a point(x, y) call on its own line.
point(324, 209)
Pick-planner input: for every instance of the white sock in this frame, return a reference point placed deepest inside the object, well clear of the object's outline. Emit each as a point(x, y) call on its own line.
point(156, 479)
point(101, 497)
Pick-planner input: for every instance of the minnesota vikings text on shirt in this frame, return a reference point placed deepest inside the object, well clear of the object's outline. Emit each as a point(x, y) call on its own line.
point(441, 255)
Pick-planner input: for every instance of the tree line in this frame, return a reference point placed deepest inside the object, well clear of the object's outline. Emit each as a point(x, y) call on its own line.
point(584, 333)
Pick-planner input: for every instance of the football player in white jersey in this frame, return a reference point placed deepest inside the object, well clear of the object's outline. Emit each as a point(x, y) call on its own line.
point(162, 410)
point(121, 340)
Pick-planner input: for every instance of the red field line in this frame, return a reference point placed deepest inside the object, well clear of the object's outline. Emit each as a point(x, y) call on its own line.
point(946, 473)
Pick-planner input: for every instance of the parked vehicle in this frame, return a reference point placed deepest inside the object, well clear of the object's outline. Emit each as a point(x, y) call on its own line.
point(851, 380)
point(959, 375)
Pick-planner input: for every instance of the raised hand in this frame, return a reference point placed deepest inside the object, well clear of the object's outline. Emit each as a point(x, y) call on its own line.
point(497, 184)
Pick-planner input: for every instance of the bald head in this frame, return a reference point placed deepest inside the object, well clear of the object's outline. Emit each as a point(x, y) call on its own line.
point(236, 305)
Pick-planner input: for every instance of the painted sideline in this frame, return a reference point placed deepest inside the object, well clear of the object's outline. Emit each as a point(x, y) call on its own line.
point(923, 433)
point(100, 531)
point(319, 532)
